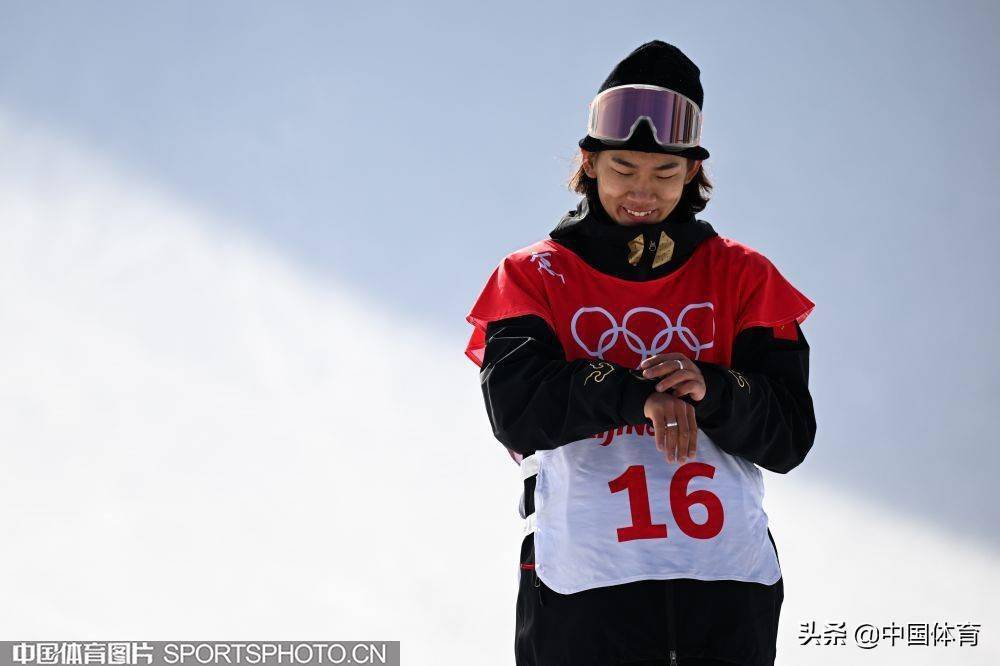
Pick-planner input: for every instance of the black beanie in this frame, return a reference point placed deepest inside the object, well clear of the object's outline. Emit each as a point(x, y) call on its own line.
point(654, 63)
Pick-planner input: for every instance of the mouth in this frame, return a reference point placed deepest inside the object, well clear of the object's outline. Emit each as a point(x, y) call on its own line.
point(638, 215)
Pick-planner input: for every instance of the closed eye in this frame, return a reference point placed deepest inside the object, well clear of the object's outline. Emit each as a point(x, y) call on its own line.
point(632, 174)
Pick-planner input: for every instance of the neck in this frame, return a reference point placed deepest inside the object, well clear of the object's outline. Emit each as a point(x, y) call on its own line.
point(633, 252)
point(676, 216)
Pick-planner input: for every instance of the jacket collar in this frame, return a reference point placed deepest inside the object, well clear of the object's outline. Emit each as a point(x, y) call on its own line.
point(640, 252)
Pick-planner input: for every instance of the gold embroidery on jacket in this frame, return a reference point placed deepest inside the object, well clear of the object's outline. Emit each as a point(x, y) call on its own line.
point(601, 370)
point(635, 250)
point(664, 251)
point(741, 380)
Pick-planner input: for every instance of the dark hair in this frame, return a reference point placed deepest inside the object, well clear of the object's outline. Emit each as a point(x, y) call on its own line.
point(694, 197)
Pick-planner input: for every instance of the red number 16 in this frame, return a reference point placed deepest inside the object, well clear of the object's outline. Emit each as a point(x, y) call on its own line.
point(633, 480)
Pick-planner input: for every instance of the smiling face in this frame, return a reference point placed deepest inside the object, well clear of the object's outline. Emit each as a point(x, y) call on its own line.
point(638, 187)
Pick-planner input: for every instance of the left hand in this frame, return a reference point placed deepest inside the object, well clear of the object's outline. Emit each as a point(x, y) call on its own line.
point(683, 378)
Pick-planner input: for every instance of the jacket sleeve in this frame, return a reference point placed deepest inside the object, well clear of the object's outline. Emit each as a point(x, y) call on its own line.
point(761, 408)
point(536, 399)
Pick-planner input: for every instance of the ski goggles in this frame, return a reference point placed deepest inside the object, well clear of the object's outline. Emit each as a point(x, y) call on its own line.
point(616, 112)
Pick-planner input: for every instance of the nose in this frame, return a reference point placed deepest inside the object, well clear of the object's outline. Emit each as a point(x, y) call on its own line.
point(643, 187)
point(641, 196)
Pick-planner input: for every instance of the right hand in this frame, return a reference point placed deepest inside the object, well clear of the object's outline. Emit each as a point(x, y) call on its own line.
point(678, 442)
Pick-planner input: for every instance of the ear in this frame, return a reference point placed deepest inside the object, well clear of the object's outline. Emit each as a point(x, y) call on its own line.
point(692, 170)
point(587, 159)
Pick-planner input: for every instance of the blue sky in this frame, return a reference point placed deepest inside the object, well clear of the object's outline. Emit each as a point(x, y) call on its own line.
point(404, 148)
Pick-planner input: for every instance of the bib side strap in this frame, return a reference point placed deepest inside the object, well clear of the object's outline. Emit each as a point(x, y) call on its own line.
point(529, 524)
point(529, 466)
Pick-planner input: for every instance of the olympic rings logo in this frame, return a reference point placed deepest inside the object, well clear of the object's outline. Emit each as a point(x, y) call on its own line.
point(660, 341)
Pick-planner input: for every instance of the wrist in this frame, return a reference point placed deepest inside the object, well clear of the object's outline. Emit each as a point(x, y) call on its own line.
point(635, 391)
point(716, 384)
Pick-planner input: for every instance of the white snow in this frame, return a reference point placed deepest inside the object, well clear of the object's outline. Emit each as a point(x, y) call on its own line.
point(200, 441)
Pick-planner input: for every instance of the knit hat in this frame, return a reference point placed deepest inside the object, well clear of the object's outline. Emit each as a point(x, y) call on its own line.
point(659, 64)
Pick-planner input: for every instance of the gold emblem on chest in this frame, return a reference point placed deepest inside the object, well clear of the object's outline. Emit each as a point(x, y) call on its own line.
point(664, 248)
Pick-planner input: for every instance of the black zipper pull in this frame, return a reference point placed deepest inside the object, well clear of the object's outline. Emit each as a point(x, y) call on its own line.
point(538, 586)
point(671, 626)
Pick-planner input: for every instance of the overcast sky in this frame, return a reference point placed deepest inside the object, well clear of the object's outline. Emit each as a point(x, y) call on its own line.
point(387, 156)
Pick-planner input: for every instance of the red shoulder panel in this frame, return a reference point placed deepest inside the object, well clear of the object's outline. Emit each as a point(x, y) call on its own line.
point(766, 297)
point(512, 290)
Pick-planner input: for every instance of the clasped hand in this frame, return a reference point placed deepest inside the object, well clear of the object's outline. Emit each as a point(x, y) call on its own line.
point(681, 377)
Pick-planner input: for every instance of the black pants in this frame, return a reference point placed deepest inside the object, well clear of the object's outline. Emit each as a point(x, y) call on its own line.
point(734, 622)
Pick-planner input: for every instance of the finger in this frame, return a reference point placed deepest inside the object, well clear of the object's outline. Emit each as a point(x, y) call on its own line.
point(654, 417)
point(683, 433)
point(671, 438)
point(660, 370)
point(690, 387)
point(692, 432)
point(655, 359)
point(660, 431)
point(674, 378)
point(662, 363)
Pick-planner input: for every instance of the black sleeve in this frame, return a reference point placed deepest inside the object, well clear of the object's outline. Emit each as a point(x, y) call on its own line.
point(761, 410)
point(536, 399)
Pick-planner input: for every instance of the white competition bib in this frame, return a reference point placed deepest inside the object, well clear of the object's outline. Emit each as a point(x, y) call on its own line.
point(610, 509)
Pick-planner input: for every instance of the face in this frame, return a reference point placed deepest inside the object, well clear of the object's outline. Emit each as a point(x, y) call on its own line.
point(636, 187)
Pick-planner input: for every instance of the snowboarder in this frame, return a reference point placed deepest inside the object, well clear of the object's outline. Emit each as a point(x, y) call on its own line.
point(641, 369)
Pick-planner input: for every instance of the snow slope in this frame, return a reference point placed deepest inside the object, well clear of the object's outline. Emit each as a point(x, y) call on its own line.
point(200, 441)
